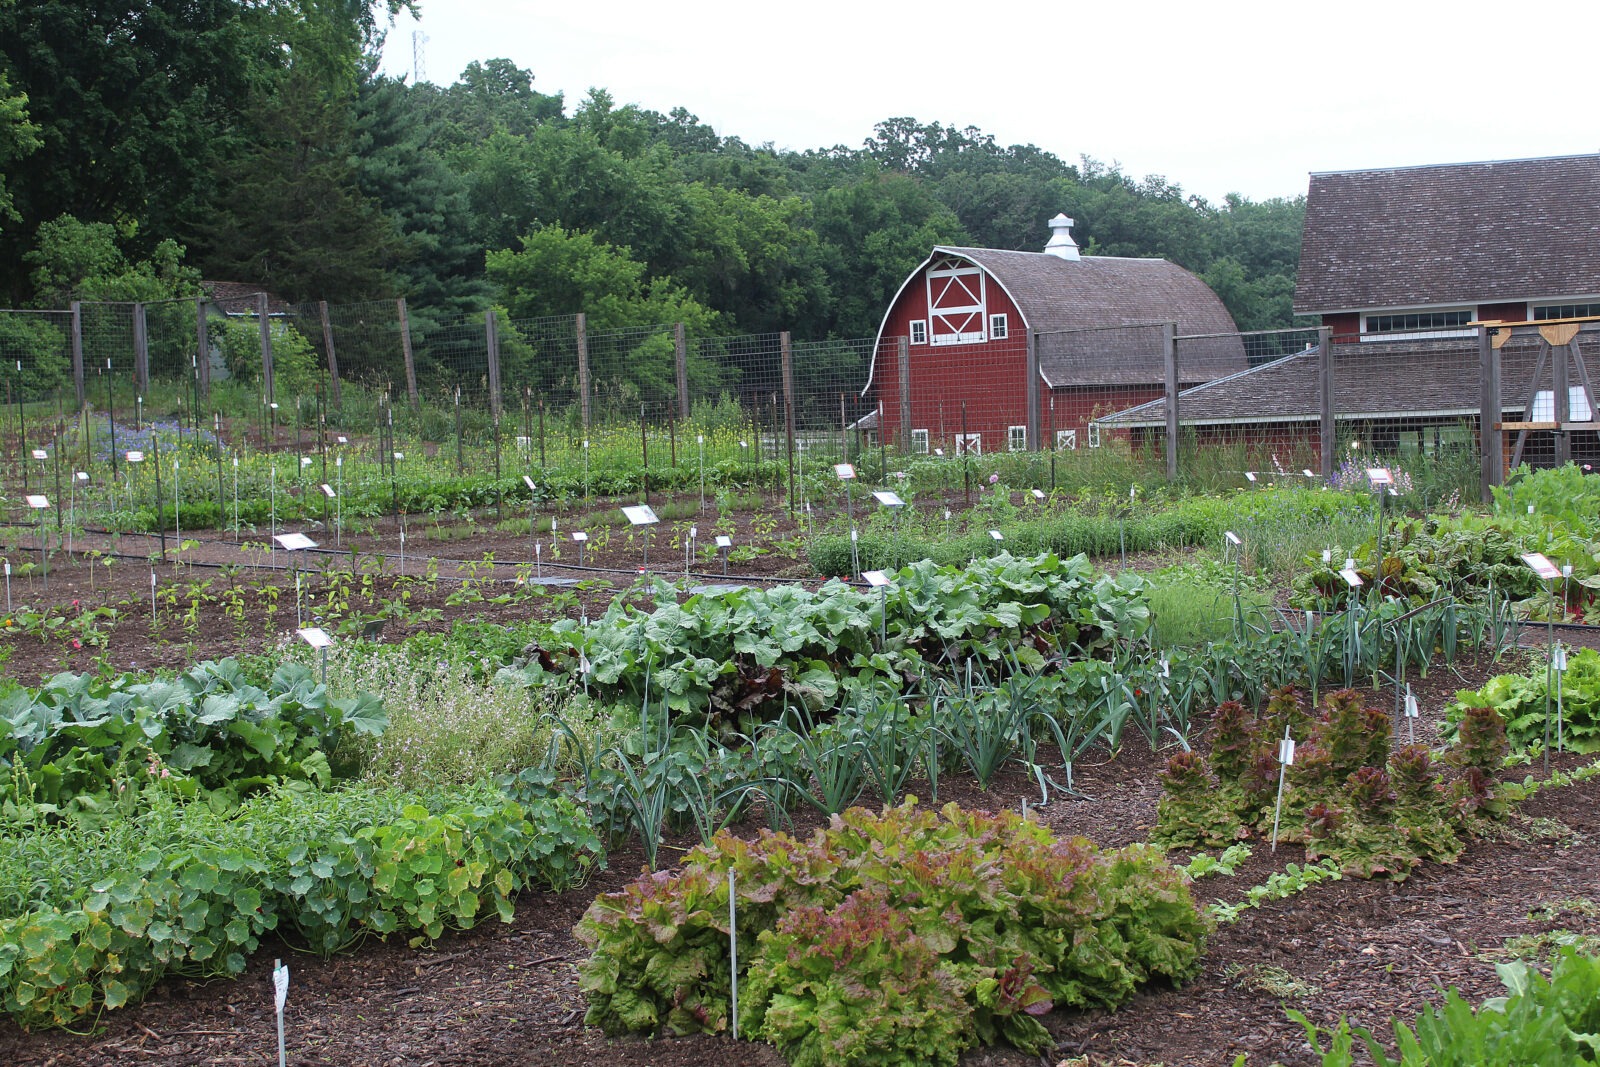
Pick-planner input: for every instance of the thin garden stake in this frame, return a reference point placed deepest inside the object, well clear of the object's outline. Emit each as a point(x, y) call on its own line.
point(280, 995)
point(1285, 758)
point(733, 951)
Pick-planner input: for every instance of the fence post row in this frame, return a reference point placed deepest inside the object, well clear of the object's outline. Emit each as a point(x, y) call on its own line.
point(202, 348)
point(141, 350)
point(1033, 394)
point(333, 359)
point(77, 354)
point(581, 324)
point(491, 335)
point(680, 352)
point(1328, 439)
point(1491, 443)
point(786, 363)
point(266, 347)
point(405, 350)
point(904, 350)
point(1169, 351)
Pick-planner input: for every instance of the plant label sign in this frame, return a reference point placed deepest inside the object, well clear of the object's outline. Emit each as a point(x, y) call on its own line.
point(1377, 476)
point(938, 451)
point(294, 542)
point(1307, 472)
point(997, 535)
point(40, 453)
point(579, 536)
point(1351, 578)
point(1558, 657)
point(527, 481)
point(1327, 555)
point(888, 498)
point(1412, 710)
point(1286, 751)
point(134, 457)
point(640, 514)
point(1541, 566)
point(1232, 538)
point(724, 541)
point(844, 471)
point(1249, 476)
point(875, 578)
point(81, 476)
point(38, 502)
point(327, 491)
point(316, 637)
point(1038, 494)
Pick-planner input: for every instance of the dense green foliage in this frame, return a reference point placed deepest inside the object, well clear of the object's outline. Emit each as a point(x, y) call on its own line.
point(261, 136)
point(902, 938)
point(91, 920)
point(71, 746)
point(1529, 705)
point(1539, 1020)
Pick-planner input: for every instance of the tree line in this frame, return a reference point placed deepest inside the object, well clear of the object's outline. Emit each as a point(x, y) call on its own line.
point(144, 146)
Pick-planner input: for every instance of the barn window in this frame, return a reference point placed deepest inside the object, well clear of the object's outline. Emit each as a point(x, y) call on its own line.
point(1067, 439)
point(919, 332)
point(969, 444)
point(1017, 438)
point(997, 327)
point(1567, 311)
point(919, 441)
point(1416, 321)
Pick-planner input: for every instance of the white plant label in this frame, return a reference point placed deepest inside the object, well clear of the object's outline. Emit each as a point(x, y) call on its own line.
point(327, 491)
point(1249, 476)
point(293, 542)
point(844, 471)
point(640, 514)
point(1351, 578)
point(1412, 711)
point(38, 501)
point(280, 986)
point(1541, 566)
point(1232, 538)
point(135, 457)
point(527, 481)
point(1379, 476)
point(40, 453)
point(1559, 657)
point(997, 535)
point(1038, 494)
point(875, 578)
point(316, 637)
point(1286, 751)
point(888, 498)
point(579, 535)
point(724, 541)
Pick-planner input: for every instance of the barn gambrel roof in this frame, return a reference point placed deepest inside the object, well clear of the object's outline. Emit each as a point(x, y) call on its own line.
point(1462, 233)
point(1056, 295)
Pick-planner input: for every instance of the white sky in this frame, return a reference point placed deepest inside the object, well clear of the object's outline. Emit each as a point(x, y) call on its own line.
point(1244, 97)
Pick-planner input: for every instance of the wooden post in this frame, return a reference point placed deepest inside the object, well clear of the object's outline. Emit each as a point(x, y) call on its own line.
point(1169, 349)
point(266, 346)
point(680, 349)
point(141, 351)
point(405, 350)
point(1035, 413)
point(1329, 437)
point(1562, 396)
point(582, 327)
point(77, 352)
point(491, 333)
point(333, 358)
point(202, 347)
point(786, 364)
point(1491, 440)
point(904, 351)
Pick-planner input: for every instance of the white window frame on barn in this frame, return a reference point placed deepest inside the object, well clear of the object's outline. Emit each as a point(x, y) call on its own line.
point(1017, 438)
point(1573, 309)
point(919, 332)
point(999, 330)
point(919, 441)
point(1417, 325)
point(1067, 439)
point(969, 444)
point(957, 303)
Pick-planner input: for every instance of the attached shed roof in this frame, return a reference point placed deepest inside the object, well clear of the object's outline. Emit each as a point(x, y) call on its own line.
point(1059, 297)
point(1381, 379)
point(1462, 233)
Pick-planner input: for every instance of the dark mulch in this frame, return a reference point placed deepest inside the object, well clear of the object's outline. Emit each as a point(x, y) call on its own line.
point(508, 994)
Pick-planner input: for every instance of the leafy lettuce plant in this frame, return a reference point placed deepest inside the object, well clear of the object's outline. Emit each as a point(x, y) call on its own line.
point(899, 938)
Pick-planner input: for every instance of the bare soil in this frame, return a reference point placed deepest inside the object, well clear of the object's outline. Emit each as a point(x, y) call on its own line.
point(508, 994)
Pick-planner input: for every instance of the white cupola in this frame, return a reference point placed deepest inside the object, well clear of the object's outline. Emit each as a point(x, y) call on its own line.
point(1061, 242)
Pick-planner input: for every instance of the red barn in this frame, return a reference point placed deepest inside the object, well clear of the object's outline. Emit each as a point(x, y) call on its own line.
point(951, 366)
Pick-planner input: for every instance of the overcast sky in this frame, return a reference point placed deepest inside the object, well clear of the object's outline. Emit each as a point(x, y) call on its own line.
point(1223, 97)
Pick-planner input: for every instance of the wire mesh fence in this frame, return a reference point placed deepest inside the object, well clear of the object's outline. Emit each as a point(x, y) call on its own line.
point(1079, 407)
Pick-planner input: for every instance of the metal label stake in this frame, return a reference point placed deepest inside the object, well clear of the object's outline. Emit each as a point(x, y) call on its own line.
point(280, 996)
point(1285, 759)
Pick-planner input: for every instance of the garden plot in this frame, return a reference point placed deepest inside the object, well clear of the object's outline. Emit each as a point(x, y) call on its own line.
point(658, 717)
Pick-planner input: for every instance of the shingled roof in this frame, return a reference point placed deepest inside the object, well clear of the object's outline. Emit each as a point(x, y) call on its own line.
point(1463, 233)
point(1380, 380)
point(1095, 293)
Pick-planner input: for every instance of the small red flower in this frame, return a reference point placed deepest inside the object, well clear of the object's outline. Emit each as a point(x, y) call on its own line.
point(76, 644)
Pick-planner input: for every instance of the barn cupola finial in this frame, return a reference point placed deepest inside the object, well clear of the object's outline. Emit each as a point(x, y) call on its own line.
point(1061, 242)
